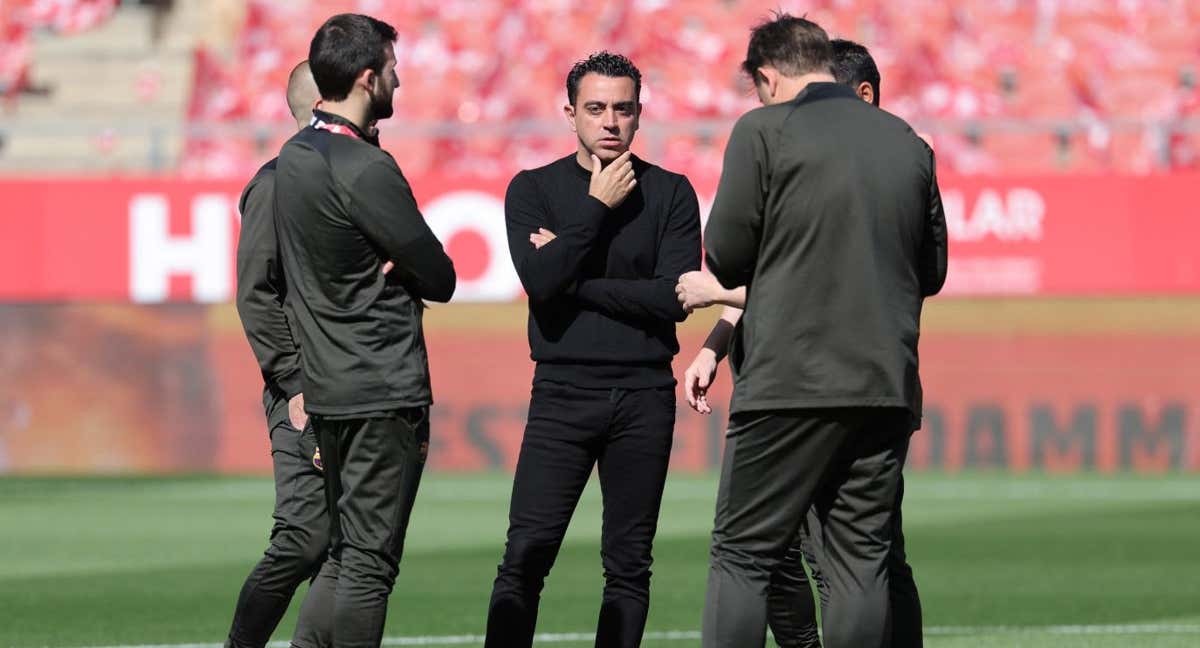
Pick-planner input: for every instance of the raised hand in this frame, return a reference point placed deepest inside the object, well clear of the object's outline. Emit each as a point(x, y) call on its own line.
point(612, 184)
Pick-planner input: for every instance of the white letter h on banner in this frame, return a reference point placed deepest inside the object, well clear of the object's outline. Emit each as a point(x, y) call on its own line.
point(155, 255)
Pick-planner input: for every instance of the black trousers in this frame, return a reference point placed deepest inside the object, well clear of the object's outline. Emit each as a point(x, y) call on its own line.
point(373, 468)
point(298, 546)
point(791, 612)
point(846, 463)
point(628, 433)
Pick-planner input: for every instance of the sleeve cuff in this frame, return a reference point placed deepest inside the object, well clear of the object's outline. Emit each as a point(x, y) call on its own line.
point(291, 384)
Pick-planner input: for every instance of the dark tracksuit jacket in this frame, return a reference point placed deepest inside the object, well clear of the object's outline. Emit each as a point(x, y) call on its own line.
point(342, 206)
point(261, 292)
point(835, 278)
point(828, 211)
point(300, 534)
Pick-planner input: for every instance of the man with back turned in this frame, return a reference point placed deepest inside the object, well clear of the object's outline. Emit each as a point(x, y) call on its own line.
point(791, 610)
point(300, 534)
point(828, 213)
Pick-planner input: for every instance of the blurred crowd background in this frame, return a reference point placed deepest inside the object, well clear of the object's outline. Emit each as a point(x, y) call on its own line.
point(195, 86)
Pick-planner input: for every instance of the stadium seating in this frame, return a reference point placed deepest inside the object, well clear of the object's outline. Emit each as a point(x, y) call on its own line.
point(18, 18)
point(1000, 86)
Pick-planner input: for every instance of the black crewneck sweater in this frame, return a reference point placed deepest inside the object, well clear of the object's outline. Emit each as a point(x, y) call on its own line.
point(602, 305)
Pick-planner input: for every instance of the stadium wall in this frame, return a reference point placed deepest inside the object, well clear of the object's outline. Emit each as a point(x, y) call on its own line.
point(121, 353)
point(168, 240)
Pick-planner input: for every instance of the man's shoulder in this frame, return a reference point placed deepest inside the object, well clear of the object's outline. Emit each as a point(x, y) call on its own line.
point(265, 173)
point(344, 155)
point(763, 125)
point(350, 156)
point(304, 138)
point(536, 178)
point(892, 121)
point(766, 117)
point(263, 181)
point(899, 134)
point(547, 170)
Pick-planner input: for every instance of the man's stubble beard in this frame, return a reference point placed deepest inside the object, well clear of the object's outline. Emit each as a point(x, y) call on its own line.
point(381, 106)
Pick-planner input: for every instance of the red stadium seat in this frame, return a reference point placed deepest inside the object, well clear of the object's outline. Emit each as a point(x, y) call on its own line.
point(1078, 62)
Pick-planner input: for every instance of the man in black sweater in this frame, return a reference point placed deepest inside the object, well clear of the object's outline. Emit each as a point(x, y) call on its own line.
point(599, 239)
point(828, 212)
point(341, 204)
point(300, 535)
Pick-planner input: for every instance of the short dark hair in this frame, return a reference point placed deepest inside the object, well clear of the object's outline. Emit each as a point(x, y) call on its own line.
point(605, 63)
point(794, 46)
point(852, 64)
point(343, 47)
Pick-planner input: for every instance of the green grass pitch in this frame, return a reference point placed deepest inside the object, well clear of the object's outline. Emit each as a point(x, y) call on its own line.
point(1000, 560)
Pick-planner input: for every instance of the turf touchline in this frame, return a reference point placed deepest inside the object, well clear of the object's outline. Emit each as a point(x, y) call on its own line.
point(1099, 629)
point(692, 635)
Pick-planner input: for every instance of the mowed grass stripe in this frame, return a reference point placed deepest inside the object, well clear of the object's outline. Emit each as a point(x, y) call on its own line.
point(159, 561)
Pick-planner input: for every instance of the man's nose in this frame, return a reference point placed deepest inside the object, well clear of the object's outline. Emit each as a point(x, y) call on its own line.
point(610, 119)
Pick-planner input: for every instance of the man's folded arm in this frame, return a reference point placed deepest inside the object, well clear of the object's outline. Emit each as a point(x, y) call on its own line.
point(553, 269)
point(387, 214)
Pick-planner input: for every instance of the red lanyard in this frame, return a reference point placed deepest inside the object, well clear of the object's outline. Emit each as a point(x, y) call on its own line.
point(321, 124)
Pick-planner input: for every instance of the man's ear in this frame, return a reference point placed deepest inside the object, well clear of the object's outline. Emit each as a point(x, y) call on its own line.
point(865, 92)
point(569, 112)
point(366, 79)
point(770, 78)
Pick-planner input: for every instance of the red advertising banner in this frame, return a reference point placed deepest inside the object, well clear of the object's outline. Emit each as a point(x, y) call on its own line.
point(169, 240)
point(90, 388)
point(1072, 235)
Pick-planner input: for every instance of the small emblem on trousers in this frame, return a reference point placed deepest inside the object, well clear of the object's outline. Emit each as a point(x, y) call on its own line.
point(317, 460)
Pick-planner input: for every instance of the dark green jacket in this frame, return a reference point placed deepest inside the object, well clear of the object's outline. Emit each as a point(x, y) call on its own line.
point(342, 207)
point(828, 210)
point(261, 294)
